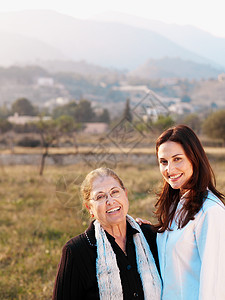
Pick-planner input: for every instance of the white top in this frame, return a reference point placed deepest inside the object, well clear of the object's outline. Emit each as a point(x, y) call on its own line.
point(192, 259)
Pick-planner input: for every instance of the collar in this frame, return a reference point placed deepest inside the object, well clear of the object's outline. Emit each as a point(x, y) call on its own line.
point(90, 234)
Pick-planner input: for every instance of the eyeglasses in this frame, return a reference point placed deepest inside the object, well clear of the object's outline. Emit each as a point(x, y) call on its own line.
point(115, 192)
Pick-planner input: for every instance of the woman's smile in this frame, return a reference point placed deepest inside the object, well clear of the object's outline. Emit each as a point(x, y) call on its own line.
point(175, 167)
point(174, 177)
point(113, 210)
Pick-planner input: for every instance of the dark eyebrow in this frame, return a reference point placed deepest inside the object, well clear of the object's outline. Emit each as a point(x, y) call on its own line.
point(161, 158)
point(177, 154)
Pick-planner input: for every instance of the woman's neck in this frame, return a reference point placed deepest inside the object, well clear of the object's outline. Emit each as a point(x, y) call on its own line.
point(119, 232)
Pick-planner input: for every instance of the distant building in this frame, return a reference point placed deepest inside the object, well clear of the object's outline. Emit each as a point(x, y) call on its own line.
point(169, 81)
point(59, 101)
point(151, 114)
point(95, 127)
point(21, 120)
point(181, 108)
point(221, 77)
point(98, 110)
point(131, 88)
point(45, 81)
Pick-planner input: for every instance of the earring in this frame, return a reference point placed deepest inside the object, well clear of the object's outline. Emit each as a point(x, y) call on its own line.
point(92, 215)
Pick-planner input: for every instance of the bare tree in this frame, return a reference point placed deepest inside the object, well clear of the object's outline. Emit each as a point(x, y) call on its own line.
point(51, 131)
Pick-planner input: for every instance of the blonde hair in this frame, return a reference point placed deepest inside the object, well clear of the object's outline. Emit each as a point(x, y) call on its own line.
point(86, 186)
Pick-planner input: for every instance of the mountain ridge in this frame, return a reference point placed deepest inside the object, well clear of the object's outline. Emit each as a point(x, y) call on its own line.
point(112, 45)
point(174, 68)
point(188, 36)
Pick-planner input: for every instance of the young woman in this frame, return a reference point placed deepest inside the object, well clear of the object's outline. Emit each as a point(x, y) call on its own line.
point(114, 258)
point(191, 214)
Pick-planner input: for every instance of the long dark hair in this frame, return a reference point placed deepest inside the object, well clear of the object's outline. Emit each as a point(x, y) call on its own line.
point(201, 180)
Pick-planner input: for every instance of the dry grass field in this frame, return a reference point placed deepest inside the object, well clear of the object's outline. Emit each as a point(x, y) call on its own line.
point(39, 214)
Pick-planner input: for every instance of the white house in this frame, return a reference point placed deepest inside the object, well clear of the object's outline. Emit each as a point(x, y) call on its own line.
point(95, 127)
point(45, 81)
point(221, 77)
point(21, 120)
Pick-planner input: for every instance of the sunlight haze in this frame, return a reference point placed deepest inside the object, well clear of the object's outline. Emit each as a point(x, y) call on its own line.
point(208, 16)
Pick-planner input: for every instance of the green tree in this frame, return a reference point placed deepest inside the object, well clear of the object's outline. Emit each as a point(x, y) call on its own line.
point(68, 109)
point(104, 116)
point(23, 106)
point(127, 112)
point(4, 111)
point(193, 121)
point(80, 112)
point(163, 123)
point(84, 111)
point(143, 127)
point(214, 125)
point(5, 126)
point(50, 132)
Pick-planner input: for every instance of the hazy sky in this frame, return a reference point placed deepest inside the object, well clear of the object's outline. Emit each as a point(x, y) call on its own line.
point(204, 14)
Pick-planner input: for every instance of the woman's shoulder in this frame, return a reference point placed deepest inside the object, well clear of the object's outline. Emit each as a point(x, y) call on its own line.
point(75, 241)
point(148, 230)
point(80, 242)
point(211, 215)
point(212, 202)
point(74, 244)
point(213, 210)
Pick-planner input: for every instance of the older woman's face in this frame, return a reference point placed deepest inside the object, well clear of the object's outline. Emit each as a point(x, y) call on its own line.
point(174, 164)
point(109, 202)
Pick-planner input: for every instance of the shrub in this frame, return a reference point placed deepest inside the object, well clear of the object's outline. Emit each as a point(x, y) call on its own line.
point(29, 142)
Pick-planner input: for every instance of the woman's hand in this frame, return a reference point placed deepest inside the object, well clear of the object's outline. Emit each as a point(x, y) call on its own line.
point(141, 221)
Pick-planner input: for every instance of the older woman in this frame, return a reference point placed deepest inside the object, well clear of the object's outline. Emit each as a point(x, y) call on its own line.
point(191, 213)
point(114, 258)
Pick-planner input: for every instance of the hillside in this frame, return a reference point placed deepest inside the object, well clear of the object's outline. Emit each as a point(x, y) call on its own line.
point(186, 36)
point(174, 68)
point(17, 48)
point(109, 88)
point(106, 44)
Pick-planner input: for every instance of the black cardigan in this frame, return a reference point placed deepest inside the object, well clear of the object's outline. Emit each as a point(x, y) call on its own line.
point(76, 276)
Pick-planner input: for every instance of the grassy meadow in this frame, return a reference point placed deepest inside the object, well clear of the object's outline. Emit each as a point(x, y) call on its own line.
point(39, 214)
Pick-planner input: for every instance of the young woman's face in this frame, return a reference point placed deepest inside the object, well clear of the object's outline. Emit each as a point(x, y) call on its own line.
point(109, 202)
point(174, 165)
